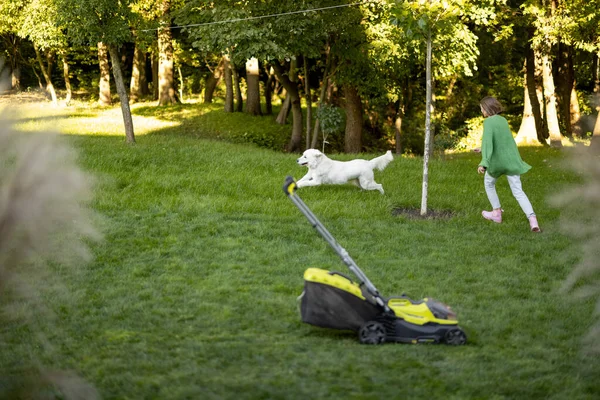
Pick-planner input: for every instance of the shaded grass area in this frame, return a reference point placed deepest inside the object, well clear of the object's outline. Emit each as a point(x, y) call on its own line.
point(193, 292)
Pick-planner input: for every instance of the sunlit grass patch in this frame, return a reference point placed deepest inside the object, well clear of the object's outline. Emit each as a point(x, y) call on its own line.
point(83, 119)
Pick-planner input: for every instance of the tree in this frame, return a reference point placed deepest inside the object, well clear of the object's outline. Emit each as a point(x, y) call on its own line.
point(581, 27)
point(353, 106)
point(292, 90)
point(39, 26)
point(166, 80)
point(442, 25)
point(534, 95)
point(543, 18)
point(278, 41)
point(214, 77)
point(10, 22)
point(93, 21)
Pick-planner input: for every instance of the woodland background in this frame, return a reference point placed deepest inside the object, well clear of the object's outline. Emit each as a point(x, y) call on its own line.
point(351, 74)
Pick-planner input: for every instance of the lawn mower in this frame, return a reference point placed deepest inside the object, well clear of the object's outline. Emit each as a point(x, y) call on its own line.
point(332, 300)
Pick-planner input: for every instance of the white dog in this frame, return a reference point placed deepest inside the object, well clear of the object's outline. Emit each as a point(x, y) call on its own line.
point(323, 170)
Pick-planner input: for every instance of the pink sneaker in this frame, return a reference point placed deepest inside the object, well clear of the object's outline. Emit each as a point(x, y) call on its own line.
point(533, 223)
point(495, 216)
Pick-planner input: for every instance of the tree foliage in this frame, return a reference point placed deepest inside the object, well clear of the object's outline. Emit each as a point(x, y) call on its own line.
point(92, 21)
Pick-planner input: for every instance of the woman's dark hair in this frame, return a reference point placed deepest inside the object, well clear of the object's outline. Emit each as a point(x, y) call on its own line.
point(491, 106)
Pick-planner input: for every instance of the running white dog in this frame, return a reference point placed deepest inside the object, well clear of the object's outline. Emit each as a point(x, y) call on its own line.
point(323, 170)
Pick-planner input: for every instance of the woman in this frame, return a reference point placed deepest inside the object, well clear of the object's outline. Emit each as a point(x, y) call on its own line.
point(500, 156)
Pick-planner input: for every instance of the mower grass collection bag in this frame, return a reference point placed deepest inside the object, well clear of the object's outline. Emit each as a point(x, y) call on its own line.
point(331, 300)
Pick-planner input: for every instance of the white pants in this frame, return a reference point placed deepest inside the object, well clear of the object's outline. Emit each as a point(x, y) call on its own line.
point(514, 181)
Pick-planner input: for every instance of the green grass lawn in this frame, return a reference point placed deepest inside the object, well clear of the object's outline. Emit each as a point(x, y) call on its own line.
point(192, 294)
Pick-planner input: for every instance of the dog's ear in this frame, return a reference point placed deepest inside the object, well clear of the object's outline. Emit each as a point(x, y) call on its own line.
point(315, 158)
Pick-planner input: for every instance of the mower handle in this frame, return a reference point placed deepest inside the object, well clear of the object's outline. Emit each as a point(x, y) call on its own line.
point(368, 289)
point(289, 186)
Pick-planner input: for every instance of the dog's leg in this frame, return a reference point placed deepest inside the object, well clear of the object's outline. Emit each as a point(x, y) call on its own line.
point(312, 182)
point(304, 179)
point(308, 180)
point(369, 184)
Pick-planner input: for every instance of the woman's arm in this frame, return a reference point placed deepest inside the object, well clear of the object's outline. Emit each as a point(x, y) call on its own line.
point(487, 145)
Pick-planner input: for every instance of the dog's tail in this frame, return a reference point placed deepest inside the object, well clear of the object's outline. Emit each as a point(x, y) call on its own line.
point(382, 161)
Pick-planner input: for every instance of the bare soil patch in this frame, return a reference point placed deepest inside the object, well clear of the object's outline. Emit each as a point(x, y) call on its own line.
point(415, 213)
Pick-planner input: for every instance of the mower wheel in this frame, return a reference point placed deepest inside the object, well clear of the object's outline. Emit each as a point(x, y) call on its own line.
point(455, 337)
point(372, 332)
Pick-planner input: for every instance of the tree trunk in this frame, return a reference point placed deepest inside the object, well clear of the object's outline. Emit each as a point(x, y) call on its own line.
point(527, 134)
point(574, 112)
point(550, 99)
point(49, 61)
point(15, 78)
point(122, 91)
point(292, 89)
point(253, 87)
point(144, 75)
point(353, 107)
point(595, 142)
point(597, 73)
point(228, 84)
point(269, 91)
point(46, 71)
point(532, 89)
point(39, 78)
point(13, 45)
point(308, 103)
point(104, 94)
point(214, 78)
point(67, 78)
point(565, 82)
point(428, 95)
point(154, 63)
point(398, 126)
point(138, 72)
point(166, 77)
point(284, 111)
point(237, 90)
point(181, 86)
point(322, 94)
point(432, 106)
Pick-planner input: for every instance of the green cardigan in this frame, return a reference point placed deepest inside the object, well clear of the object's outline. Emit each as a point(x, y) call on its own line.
point(499, 152)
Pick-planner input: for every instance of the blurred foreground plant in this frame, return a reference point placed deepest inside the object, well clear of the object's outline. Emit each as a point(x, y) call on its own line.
point(580, 218)
point(44, 219)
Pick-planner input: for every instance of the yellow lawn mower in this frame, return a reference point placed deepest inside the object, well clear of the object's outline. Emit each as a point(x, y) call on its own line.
point(332, 300)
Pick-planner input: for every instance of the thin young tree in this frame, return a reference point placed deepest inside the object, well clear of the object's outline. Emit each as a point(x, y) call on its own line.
point(440, 25)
